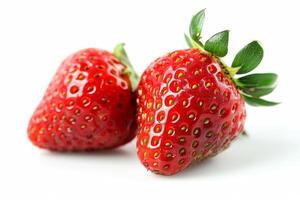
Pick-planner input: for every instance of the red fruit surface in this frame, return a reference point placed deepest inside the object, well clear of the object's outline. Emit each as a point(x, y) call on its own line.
point(188, 109)
point(88, 105)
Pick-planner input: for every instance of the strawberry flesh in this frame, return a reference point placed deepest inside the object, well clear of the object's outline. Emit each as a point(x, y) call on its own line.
point(88, 105)
point(188, 109)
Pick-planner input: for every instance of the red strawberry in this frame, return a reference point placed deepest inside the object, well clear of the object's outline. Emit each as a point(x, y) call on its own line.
point(89, 104)
point(190, 106)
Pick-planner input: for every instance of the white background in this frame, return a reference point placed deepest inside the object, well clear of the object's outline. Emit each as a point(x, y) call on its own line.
point(35, 36)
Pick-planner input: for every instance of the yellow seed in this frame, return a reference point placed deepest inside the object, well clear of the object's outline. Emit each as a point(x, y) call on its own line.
point(224, 125)
point(149, 105)
point(191, 116)
point(155, 154)
point(77, 111)
point(168, 144)
point(145, 154)
point(80, 77)
point(95, 107)
point(182, 151)
point(144, 115)
point(71, 103)
point(213, 107)
point(196, 131)
point(145, 141)
point(157, 129)
point(207, 85)
point(72, 120)
point(85, 101)
point(194, 86)
point(155, 164)
point(170, 131)
point(159, 78)
point(151, 119)
point(195, 144)
point(169, 155)
point(208, 134)
point(200, 103)
point(183, 128)
point(196, 73)
point(174, 117)
point(180, 75)
point(158, 105)
point(182, 140)
point(222, 112)
point(181, 161)
point(194, 153)
point(206, 121)
point(168, 79)
point(178, 60)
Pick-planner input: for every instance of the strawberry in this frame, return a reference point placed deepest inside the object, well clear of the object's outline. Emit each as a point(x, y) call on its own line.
point(191, 106)
point(89, 104)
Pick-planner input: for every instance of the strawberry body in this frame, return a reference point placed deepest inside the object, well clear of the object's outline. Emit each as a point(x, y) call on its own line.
point(88, 105)
point(188, 109)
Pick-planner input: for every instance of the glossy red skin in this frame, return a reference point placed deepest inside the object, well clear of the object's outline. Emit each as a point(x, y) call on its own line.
point(99, 115)
point(213, 106)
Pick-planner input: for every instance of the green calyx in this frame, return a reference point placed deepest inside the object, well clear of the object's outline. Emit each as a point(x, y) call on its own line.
point(120, 53)
point(251, 86)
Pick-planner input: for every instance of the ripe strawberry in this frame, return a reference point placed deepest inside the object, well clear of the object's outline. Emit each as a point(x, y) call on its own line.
point(190, 105)
point(89, 104)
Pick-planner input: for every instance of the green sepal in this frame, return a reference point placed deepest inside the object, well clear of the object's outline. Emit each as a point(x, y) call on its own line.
point(254, 101)
point(231, 71)
point(248, 58)
point(192, 43)
point(218, 44)
point(196, 26)
point(257, 85)
point(258, 80)
point(257, 92)
point(120, 53)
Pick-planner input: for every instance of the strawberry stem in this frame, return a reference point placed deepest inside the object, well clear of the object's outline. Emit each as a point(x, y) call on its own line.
point(120, 53)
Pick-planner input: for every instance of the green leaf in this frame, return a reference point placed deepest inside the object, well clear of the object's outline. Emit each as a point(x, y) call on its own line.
point(196, 25)
point(257, 85)
point(191, 43)
point(253, 101)
point(218, 44)
point(258, 92)
point(248, 58)
point(120, 53)
point(258, 80)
